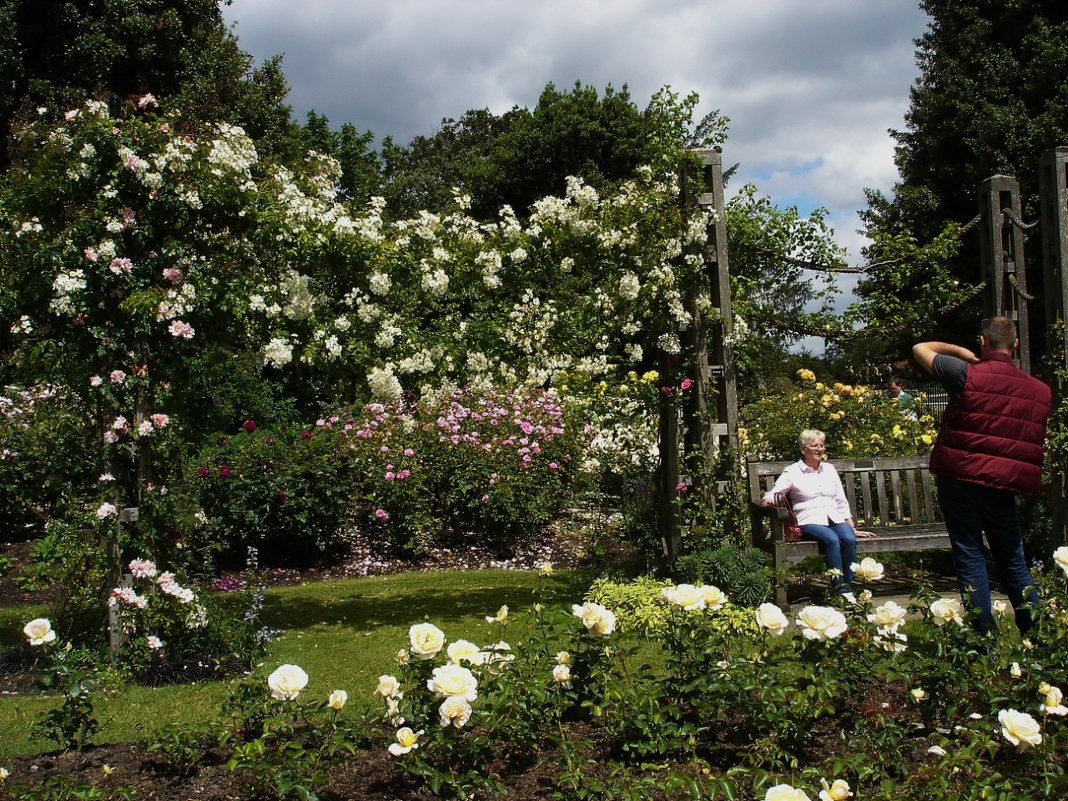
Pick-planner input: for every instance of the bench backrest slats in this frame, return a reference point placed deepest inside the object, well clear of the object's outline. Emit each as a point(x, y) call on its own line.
point(912, 477)
point(887, 491)
point(928, 494)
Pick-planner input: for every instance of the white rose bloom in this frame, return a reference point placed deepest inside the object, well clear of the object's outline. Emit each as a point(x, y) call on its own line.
point(1051, 704)
point(427, 640)
point(1060, 556)
point(388, 686)
point(838, 790)
point(785, 792)
point(500, 617)
point(888, 617)
point(39, 631)
point(561, 673)
point(599, 622)
point(771, 618)
point(714, 597)
point(868, 569)
point(629, 286)
point(686, 597)
point(821, 623)
point(406, 741)
point(337, 700)
point(892, 641)
point(380, 283)
point(385, 385)
point(278, 352)
point(453, 680)
point(945, 610)
point(1019, 728)
point(463, 651)
point(454, 711)
point(500, 652)
point(287, 682)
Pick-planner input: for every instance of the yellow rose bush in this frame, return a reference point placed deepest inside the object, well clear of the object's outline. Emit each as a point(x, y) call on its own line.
point(859, 420)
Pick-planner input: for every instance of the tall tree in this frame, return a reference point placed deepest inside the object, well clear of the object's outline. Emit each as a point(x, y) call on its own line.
point(992, 95)
point(57, 52)
point(524, 154)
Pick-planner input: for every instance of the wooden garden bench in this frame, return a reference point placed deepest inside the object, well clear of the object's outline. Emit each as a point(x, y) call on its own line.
point(890, 496)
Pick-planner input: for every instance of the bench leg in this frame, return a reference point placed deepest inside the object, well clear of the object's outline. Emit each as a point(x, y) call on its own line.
point(779, 580)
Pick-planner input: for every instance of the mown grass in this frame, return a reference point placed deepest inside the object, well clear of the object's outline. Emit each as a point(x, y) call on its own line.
point(343, 632)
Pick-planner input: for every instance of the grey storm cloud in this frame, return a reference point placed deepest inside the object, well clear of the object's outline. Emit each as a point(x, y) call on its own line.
point(811, 86)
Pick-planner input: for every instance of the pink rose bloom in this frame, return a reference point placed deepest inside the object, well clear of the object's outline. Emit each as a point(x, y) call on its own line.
point(96, 381)
point(409, 452)
point(71, 115)
point(172, 274)
point(382, 515)
point(143, 568)
point(117, 376)
point(686, 383)
point(110, 437)
point(144, 428)
point(90, 254)
point(179, 329)
point(120, 265)
point(154, 642)
point(119, 423)
point(128, 218)
point(106, 510)
point(160, 420)
point(147, 101)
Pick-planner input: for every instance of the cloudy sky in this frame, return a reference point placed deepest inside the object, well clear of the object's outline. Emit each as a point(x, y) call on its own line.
point(810, 86)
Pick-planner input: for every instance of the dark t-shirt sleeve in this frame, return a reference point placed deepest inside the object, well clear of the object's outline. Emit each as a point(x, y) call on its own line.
point(951, 372)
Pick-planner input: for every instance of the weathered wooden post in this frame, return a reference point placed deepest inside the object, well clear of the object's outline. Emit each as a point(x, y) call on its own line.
point(1001, 255)
point(708, 427)
point(669, 518)
point(1053, 200)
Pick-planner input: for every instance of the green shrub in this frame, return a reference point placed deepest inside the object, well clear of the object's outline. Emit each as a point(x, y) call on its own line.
point(739, 572)
point(638, 607)
point(43, 456)
point(286, 491)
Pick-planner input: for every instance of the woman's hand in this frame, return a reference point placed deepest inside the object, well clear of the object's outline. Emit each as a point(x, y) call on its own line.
point(864, 535)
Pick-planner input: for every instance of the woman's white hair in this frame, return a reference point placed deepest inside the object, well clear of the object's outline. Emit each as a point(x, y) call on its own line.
point(808, 436)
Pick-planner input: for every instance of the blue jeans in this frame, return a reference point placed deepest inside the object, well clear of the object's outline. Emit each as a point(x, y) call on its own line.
point(838, 544)
point(969, 511)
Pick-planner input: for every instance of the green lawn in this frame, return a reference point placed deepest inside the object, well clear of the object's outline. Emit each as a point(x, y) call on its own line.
point(343, 632)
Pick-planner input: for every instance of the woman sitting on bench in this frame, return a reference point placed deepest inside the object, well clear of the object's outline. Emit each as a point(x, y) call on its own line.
point(818, 499)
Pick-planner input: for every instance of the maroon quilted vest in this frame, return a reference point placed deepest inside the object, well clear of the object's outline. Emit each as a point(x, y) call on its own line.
point(993, 434)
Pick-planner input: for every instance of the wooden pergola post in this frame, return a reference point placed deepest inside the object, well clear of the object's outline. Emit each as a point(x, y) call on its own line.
point(710, 410)
point(1053, 200)
point(1001, 254)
